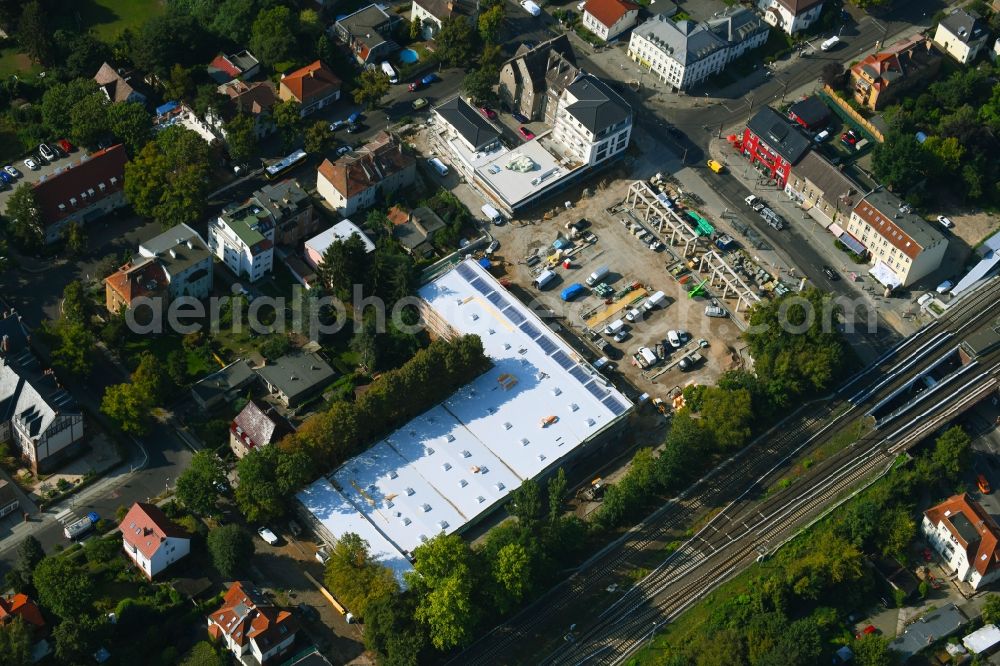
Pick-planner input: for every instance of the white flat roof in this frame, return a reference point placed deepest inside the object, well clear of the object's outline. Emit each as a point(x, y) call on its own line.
point(514, 186)
point(339, 517)
point(459, 459)
point(340, 231)
point(982, 639)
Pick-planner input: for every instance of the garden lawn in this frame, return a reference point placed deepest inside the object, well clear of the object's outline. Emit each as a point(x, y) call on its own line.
point(107, 18)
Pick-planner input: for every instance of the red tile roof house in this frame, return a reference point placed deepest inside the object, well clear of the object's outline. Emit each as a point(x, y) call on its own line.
point(257, 425)
point(314, 86)
point(152, 540)
point(255, 631)
point(21, 606)
point(81, 192)
point(966, 537)
point(609, 18)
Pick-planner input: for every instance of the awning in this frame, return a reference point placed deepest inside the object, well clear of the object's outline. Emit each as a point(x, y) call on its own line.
point(853, 244)
point(885, 275)
point(835, 229)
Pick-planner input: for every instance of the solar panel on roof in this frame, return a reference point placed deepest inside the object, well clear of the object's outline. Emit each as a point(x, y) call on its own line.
point(616, 407)
point(563, 359)
point(530, 330)
point(465, 271)
point(481, 286)
point(496, 299)
point(580, 374)
point(596, 390)
point(513, 314)
point(545, 342)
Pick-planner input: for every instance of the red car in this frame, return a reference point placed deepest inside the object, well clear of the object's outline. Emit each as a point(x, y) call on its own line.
point(413, 87)
point(867, 631)
point(526, 133)
point(66, 146)
point(488, 112)
point(849, 138)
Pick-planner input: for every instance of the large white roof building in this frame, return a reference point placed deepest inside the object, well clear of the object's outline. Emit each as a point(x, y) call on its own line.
point(536, 407)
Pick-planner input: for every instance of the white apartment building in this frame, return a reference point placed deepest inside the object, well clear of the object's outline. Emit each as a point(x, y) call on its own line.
point(902, 246)
point(962, 35)
point(243, 238)
point(965, 536)
point(791, 16)
point(609, 18)
point(684, 53)
point(593, 122)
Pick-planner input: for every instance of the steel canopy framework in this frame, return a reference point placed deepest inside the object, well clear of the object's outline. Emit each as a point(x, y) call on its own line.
point(648, 206)
point(721, 275)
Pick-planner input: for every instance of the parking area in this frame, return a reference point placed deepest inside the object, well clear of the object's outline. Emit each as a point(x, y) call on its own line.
point(45, 168)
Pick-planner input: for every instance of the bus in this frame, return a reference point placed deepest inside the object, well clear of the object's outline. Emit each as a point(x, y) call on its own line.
point(285, 165)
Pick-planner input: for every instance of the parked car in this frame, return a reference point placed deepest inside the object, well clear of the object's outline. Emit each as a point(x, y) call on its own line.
point(849, 138)
point(715, 166)
point(12, 171)
point(322, 555)
point(31, 164)
point(621, 335)
point(494, 246)
point(47, 153)
point(714, 311)
point(983, 484)
point(419, 103)
point(336, 125)
point(343, 150)
point(268, 536)
point(945, 222)
point(830, 273)
point(354, 118)
point(414, 86)
point(6, 178)
point(66, 146)
point(945, 287)
point(674, 338)
point(429, 79)
point(520, 117)
point(488, 112)
point(633, 314)
point(526, 133)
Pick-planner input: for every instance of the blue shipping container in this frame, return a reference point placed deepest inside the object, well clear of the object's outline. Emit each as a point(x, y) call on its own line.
point(572, 291)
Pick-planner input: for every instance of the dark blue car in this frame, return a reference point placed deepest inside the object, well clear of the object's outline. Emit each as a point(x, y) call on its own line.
point(429, 79)
point(6, 177)
point(520, 117)
point(354, 118)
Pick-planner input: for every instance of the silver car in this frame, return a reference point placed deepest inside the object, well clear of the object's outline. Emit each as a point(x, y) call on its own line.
point(47, 153)
point(31, 164)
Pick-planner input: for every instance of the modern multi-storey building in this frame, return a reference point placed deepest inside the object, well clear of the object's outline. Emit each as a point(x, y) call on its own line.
point(243, 238)
point(186, 261)
point(292, 211)
point(593, 122)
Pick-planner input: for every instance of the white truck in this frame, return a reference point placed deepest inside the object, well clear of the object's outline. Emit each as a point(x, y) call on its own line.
point(598, 276)
point(645, 357)
point(830, 43)
point(390, 72)
point(492, 214)
point(654, 301)
point(78, 528)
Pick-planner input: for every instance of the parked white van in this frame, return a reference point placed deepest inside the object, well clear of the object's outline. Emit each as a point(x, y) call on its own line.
point(654, 301)
point(439, 166)
point(390, 72)
point(544, 278)
point(830, 43)
point(598, 276)
point(614, 327)
point(492, 214)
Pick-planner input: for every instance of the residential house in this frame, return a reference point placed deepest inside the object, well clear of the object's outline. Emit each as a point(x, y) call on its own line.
point(118, 85)
point(962, 34)
point(533, 80)
point(186, 261)
point(151, 540)
point(902, 246)
point(81, 191)
point(882, 77)
point(368, 33)
point(251, 627)
point(593, 122)
point(142, 278)
point(965, 536)
point(296, 377)
point(37, 415)
point(773, 144)
point(223, 385)
point(256, 100)
point(239, 66)
point(933, 626)
point(823, 190)
point(812, 113)
point(9, 501)
point(363, 177)
point(685, 53)
point(243, 238)
point(291, 209)
point(464, 123)
point(791, 16)
point(432, 13)
point(609, 18)
point(314, 86)
point(317, 246)
point(210, 128)
point(256, 426)
point(415, 229)
point(21, 606)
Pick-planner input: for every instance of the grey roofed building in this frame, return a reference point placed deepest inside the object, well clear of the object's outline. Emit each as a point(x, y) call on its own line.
point(282, 198)
point(780, 134)
point(177, 249)
point(831, 184)
point(597, 106)
point(222, 384)
point(894, 209)
point(478, 132)
point(966, 26)
point(416, 234)
point(737, 25)
point(927, 630)
point(687, 42)
point(368, 32)
point(8, 498)
point(296, 377)
point(533, 79)
point(811, 112)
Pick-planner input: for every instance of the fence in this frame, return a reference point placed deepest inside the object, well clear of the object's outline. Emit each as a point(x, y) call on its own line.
point(846, 109)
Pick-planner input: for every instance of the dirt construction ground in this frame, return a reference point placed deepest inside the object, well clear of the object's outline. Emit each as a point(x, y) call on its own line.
point(629, 260)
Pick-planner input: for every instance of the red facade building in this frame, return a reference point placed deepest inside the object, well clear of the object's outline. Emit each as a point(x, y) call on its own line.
point(773, 144)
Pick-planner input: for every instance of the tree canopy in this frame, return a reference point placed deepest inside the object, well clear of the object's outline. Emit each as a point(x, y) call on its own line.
point(169, 179)
point(230, 547)
point(355, 577)
point(196, 486)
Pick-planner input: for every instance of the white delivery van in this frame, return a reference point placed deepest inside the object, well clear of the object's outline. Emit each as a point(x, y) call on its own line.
point(390, 72)
point(614, 327)
point(439, 166)
point(654, 301)
point(598, 276)
point(544, 278)
point(830, 43)
point(492, 214)
point(531, 7)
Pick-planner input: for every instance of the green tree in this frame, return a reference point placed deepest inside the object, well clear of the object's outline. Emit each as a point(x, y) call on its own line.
point(76, 238)
point(196, 486)
point(60, 99)
point(230, 548)
point(74, 350)
point(391, 632)
point(526, 502)
point(344, 264)
point(89, 120)
point(34, 34)
point(900, 530)
point(169, 179)
point(62, 588)
point(355, 577)
point(456, 41)
point(491, 59)
point(310, 26)
point(373, 85)
point(727, 415)
point(234, 19)
point(416, 29)
point(318, 138)
point(951, 452)
point(258, 495)
point(129, 410)
point(272, 37)
point(241, 137)
point(490, 23)
point(24, 218)
point(442, 581)
point(75, 307)
point(29, 554)
point(478, 84)
point(557, 494)
point(203, 654)
point(292, 470)
point(873, 650)
point(15, 642)
point(131, 123)
point(287, 116)
point(900, 161)
point(77, 637)
point(991, 609)
point(180, 84)
point(511, 571)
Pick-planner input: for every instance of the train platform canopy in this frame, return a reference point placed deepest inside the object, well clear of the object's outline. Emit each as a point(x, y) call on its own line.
point(448, 467)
